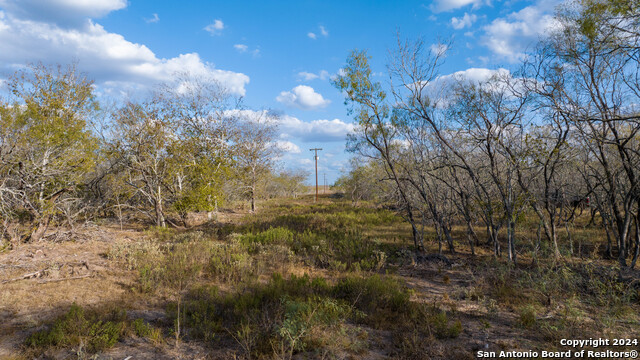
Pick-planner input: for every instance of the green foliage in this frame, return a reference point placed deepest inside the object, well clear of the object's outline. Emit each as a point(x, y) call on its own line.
point(77, 327)
point(277, 235)
point(46, 146)
point(143, 329)
point(373, 294)
point(527, 317)
point(329, 236)
point(442, 327)
point(230, 262)
point(296, 314)
point(135, 255)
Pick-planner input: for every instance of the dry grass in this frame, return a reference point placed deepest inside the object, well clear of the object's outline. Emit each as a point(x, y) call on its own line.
point(498, 306)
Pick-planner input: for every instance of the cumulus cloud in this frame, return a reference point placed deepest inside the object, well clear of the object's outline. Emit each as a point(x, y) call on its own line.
point(509, 37)
point(303, 97)
point(288, 146)
point(464, 21)
point(153, 19)
point(475, 74)
point(437, 89)
point(307, 76)
point(293, 129)
point(438, 6)
point(65, 13)
point(107, 57)
point(215, 28)
point(312, 35)
point(316, 130)
point(324, 31)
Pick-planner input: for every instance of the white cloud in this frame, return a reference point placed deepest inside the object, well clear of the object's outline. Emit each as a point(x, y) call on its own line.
point(307, 76)
point(476, 74)
point(107, 57)
point(294, 129)
point(316, 130)
point(288, 146)
point(438, 6)
point(215, 28)
point(62, 12)
point(323, 32)
point(510, 36)
point(154, 19)
point(303, 97)
point(241, 47)
point(463, 22)
point(437, 89)
point(439, 49)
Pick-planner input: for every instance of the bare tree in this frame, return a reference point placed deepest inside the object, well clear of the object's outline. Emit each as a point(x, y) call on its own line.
point(255, 150)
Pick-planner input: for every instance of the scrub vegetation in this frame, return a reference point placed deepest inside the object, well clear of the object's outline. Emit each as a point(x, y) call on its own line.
point(501, 214)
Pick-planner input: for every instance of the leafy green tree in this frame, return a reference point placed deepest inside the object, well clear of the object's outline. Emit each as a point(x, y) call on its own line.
point(175, 149)
point(46, 147)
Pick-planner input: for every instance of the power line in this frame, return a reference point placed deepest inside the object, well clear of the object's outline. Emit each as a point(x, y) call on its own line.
point(315, 157)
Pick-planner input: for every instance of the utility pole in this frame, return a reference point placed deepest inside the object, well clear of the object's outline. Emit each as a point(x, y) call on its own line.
point(315, 157)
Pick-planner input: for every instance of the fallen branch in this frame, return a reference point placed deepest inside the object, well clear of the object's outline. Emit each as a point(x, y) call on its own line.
point(64, 279)
point(5, 266)
point(25, 276)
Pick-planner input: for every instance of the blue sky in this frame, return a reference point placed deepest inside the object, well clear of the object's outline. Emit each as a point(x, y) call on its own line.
point(278, 55)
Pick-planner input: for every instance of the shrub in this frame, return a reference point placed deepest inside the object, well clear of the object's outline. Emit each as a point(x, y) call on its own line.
point(229, 262)
point(277, 235)
point(133, 255)
point(373, 294)
point(79, 327)
point(527, 317)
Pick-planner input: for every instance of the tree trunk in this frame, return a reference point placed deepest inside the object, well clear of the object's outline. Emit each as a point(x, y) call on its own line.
point(41, 229)
point(511, 240)
point(554, 238)
point(159, 214)
point(637, 246)
point(471, 240)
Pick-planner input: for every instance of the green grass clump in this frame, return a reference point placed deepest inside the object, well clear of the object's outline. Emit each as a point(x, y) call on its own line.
point(276, 235)
point(298, 314)
point(77, 327)
point(527, 317)
point(373, 294)
point(90, 331)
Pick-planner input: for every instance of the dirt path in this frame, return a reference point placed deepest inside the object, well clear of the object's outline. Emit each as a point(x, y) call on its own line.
point(58, 275)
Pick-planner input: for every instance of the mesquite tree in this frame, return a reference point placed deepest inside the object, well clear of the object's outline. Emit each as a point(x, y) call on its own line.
point(46, 148)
